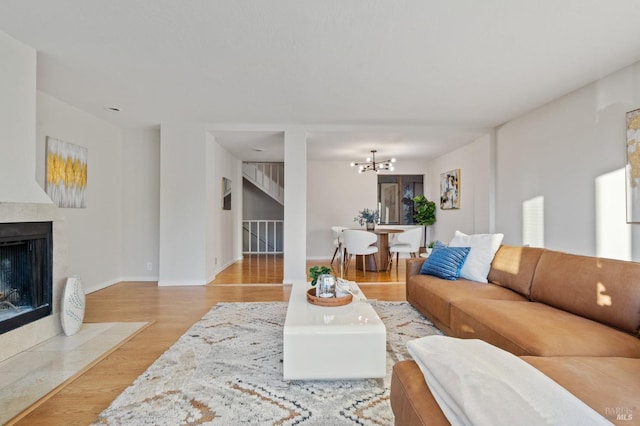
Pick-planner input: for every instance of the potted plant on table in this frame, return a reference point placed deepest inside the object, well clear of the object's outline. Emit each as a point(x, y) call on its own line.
point(316, 271)
point(367, 217)
point(424, 212)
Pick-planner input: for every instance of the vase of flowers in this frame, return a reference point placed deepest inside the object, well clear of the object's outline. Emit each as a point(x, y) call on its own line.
point(367, 217)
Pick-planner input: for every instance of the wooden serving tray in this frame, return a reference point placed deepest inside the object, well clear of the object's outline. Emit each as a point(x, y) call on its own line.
point(327, 301)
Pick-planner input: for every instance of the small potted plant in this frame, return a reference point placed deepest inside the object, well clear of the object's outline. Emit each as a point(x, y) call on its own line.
point(367, 217)
point(316, 271)
point(430, 246)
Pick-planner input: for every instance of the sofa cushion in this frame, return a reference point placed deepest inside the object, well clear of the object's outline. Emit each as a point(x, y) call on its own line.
point(445, 262)
point(529, 328)
point(483, 248)
point(433, 295)
point(609, 385)
point(513, 268)
point(604, 290)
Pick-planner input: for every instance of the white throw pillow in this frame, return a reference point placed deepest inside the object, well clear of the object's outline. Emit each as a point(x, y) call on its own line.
point(483, 249)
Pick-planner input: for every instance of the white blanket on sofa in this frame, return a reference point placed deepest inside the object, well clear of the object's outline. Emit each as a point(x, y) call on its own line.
point(476, 383)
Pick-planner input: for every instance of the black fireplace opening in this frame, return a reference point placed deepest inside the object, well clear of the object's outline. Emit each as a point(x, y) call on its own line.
point(26, 278)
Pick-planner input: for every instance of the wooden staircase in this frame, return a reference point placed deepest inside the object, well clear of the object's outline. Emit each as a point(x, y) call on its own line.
point(268, 177)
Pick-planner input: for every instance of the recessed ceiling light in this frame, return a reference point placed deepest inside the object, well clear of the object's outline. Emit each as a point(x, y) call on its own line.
point(112, 109)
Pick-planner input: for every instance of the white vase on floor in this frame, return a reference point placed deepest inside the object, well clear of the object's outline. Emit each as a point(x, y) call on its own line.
point(72, 306)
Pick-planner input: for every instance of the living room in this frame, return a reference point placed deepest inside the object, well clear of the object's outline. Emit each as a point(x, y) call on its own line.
point(567, 149)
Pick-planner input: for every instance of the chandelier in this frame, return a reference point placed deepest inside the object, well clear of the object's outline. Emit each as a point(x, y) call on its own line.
point(374, 166)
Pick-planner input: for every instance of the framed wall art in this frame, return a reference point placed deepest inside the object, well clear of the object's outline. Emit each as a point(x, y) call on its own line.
point(226, 194)
point(450, 190)
point(389, 207)
point(632, 169)
point(66, 171)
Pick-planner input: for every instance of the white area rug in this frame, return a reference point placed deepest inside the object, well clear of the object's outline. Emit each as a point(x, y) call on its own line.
point(227, 370)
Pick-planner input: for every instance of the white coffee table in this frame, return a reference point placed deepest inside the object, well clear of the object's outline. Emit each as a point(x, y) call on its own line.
point(343, 342)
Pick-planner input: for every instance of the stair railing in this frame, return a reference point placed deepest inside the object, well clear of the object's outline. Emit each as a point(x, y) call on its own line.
point(262, 236)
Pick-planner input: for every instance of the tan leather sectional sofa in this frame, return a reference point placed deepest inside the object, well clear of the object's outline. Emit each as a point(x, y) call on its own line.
point(575, 318)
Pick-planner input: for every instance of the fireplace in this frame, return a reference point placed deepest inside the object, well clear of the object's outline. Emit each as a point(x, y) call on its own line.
point(26, 263)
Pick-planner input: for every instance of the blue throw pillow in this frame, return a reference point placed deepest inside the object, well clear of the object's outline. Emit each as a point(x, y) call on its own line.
point(445, 262)
point(438, 245)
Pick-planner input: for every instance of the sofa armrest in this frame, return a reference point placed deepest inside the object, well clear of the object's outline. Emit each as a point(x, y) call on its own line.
point(413, 266)
point(411, 400)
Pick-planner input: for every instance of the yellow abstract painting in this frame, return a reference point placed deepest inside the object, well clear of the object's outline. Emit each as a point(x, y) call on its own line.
point(66, 182)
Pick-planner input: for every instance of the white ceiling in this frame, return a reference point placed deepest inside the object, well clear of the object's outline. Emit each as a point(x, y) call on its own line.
point(362, 74)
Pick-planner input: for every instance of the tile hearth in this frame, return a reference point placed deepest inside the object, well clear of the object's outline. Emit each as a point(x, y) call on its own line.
point(31, 375)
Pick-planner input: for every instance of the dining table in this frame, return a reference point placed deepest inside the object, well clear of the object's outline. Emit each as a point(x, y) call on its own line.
point(383, 250)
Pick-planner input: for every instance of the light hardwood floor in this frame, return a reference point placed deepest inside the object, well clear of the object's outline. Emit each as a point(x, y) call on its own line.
point(173, 310)
point(269, 269)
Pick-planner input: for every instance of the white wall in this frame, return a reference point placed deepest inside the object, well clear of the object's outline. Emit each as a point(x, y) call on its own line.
point(21, 198)
point(18, 123)
point(335, 195)
point(258, 205)
point(197, 237)
point(183, 204)
point(296, 201)
point(336, 192)
point(141, 204)
point(475, 214)
point(95, 232)
point(224, 243)
point(559, 151)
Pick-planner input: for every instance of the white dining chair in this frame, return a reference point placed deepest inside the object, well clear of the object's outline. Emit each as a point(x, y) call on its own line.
point(360, 243)
point(337, 239)
point(406, 242)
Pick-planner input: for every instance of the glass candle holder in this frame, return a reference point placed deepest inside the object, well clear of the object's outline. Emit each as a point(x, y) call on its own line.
point(326, 286)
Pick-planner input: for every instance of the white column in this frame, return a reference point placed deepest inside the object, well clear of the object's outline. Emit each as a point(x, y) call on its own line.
point(183, 204)
point(295, 206)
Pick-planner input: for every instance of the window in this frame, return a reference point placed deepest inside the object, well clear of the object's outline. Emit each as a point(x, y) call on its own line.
point(395, 197)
